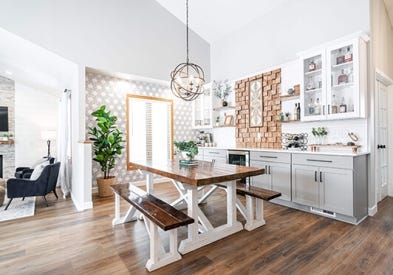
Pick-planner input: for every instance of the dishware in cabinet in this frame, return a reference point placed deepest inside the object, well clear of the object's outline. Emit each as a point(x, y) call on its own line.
point(313, 85)
point(347, 79)
point(202, 110)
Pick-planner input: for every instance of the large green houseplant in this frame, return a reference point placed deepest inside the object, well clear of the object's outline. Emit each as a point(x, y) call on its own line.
point(107, 146)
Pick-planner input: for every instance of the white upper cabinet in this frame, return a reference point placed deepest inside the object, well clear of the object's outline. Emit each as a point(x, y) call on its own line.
point(334, 81)
point(202, 110)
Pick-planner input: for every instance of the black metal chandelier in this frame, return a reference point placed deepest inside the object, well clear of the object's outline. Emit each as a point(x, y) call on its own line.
point(187, 79)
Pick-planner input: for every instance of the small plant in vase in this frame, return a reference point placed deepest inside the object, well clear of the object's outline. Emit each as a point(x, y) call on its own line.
point(319, 134)
point(187, 149)
point(222, 89)
point(287, 117)
point(218, 121)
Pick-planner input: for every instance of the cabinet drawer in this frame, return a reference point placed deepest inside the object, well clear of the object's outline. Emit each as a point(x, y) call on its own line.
point(270, 156)
point(214, 153)
point(323, 160)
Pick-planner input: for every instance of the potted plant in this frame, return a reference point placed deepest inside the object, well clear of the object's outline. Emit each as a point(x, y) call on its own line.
point(319, 134)
point(222, 90)
point(107, 146)
point(218, 121)
point(187, 149)
point(7, 136)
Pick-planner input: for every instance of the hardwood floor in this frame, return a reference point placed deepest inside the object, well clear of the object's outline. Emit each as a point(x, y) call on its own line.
point(60, 240)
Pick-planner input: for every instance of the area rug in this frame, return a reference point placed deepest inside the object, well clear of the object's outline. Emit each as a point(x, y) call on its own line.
point(18, 209)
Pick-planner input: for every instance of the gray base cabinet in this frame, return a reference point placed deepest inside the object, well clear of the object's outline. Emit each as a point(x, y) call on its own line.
point(278, 172)
point(334, 186)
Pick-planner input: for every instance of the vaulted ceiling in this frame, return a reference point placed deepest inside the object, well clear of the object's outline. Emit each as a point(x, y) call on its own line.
point(213, 19)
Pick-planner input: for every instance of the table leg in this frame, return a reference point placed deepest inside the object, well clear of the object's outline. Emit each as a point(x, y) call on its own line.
point(209, 234)
point(130, 215)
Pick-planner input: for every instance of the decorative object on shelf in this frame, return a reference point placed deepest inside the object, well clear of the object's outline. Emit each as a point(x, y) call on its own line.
point(256, 104)
point(222, 89)
point(291, 91)
point(107, 146)
point(48, 136)
point(281, 116)
point(187, 78)
point(287, 116)
point(218, 121)
point(228, 120)
point(7, 136)
point(353, 137)
point(187, 150)
point(294, 141)
point(319, 134)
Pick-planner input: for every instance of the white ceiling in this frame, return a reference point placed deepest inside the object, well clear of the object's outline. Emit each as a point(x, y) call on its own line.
point(389, 7)
point(32, 65)
point(213, 19)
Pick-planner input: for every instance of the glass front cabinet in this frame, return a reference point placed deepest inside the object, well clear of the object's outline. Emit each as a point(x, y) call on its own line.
point(334, 81)
point(202, 109)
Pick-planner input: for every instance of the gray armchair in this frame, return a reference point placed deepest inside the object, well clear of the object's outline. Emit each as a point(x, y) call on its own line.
point(45, 184)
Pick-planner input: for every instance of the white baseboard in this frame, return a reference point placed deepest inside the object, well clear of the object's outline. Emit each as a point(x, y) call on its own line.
point(372, 210)
point(80, 206)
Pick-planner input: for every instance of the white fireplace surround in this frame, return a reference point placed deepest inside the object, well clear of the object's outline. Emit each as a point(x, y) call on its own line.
point(7, 151)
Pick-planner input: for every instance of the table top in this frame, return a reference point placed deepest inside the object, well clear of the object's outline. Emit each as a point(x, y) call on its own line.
point(204, 173)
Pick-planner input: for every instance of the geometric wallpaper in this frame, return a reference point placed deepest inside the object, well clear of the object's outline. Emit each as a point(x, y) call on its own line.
point(102, 89)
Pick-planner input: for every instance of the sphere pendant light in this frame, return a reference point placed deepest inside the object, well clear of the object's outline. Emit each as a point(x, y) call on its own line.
point(187, 79)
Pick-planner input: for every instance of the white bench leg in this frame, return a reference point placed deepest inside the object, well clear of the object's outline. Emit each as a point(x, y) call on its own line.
point(254, 220)
point(158, 258)
point(130, 215)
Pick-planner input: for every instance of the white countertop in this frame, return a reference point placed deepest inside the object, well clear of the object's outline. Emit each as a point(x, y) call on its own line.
point(330, 153)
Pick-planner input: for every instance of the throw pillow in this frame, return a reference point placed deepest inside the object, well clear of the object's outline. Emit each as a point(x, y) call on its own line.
point(38, 170)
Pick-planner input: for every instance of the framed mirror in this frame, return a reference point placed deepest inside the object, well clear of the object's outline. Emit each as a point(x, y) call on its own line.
point(149, 128)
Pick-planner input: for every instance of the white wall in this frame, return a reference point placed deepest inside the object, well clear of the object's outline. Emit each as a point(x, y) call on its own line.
point(35, 111)
point(276, 37)
point(129, 36)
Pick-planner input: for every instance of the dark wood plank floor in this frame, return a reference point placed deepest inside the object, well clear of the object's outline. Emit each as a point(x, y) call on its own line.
point(60, 240)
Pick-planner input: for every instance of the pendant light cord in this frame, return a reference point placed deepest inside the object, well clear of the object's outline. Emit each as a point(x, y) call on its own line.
point(187, 28)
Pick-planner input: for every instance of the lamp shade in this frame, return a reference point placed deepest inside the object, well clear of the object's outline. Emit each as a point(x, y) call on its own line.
point(48, 135)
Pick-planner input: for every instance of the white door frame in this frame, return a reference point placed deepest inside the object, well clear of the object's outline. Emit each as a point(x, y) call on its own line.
point(388, 82)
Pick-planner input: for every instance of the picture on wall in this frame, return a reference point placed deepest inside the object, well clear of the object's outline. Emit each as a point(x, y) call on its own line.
point(256, 104)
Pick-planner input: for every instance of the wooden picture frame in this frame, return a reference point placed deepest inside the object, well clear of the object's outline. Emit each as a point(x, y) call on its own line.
point(255, 103)
point(228, 120)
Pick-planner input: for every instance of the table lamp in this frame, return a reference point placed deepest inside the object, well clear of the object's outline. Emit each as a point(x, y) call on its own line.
point(48, 136)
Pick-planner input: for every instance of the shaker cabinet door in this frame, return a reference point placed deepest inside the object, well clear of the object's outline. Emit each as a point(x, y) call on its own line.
point(280, 177)
point(305, 185)
point(262, 181)
point(337, 195)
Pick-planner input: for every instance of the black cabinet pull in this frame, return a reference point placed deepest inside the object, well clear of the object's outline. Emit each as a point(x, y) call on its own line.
point(269, 170)
point(315, 176)
point(328, 109)
point(320, 176)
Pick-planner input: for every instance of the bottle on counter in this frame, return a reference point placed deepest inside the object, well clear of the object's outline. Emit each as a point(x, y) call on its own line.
point(334, 105)
point(298, 111)
point(342, 78)
point(295, 112)
point(317, 108)
point(343, 106)
point(348, 55)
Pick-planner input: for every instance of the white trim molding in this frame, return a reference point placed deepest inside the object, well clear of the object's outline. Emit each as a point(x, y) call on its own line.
point(373, 210)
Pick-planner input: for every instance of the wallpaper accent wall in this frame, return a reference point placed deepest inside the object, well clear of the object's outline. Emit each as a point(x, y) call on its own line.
point(111, 91)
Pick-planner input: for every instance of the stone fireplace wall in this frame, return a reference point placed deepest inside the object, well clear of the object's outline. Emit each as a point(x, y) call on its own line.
point(7, 98)
point(269, 135)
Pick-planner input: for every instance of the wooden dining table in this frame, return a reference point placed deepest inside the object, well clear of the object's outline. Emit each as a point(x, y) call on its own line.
point(190, 178)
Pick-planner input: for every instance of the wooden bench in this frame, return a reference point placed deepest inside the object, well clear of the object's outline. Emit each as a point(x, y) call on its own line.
point(157, 213)
point(253, 219)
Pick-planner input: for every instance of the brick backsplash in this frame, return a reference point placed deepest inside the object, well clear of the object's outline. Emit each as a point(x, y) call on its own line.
point(269, 135)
